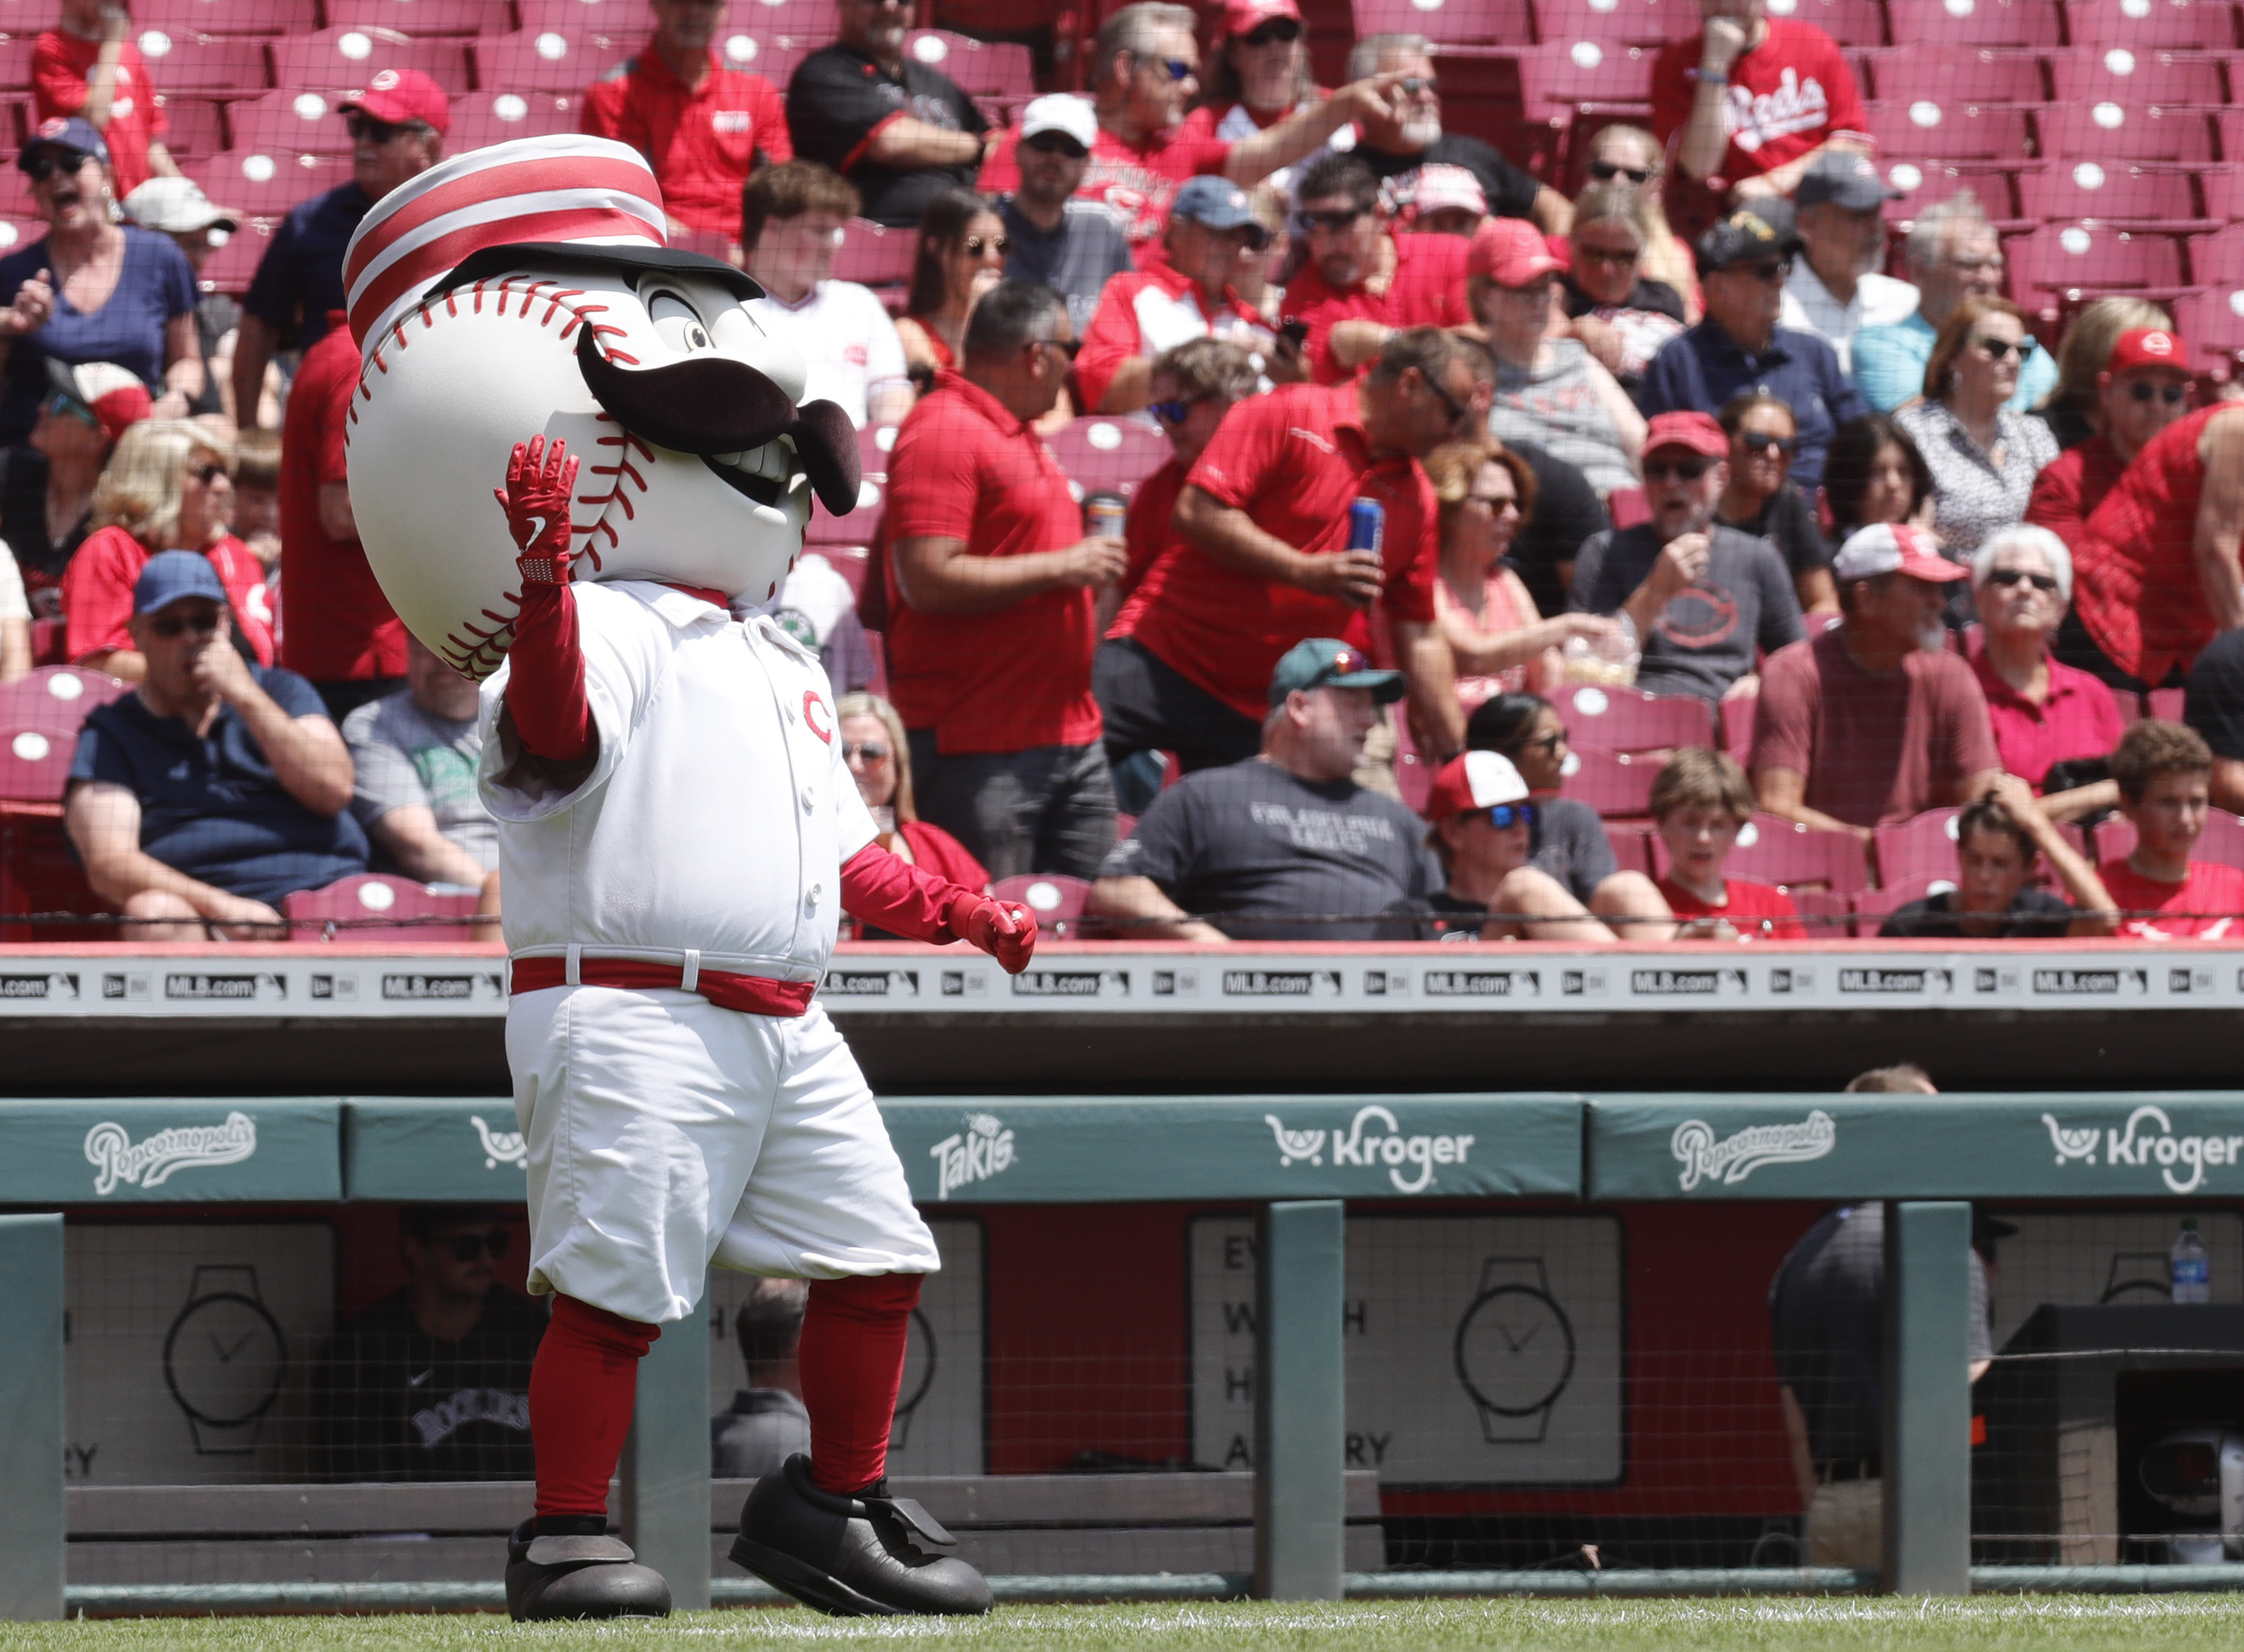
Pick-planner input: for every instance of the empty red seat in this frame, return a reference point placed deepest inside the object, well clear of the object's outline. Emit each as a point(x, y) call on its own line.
point(483, 117)
point(345, 59)
point(625, 20)
point(16, 65)
point(2139, 74)
point(1927, 128)
point(1922, 846)
point(196, 126)
point(228, 67)
point(2065, 260)
point(1460, 23)
point(874, 255)
point(998, 69)
point(232, 267)
point(266, 185)
point(424, 17)
point(375, 900)
point(1975, 22)
point(291, 123)
point(2206, 25)
point(1851, 23)
point(2213, 320)
point(1112, 455)
point(2111, 129)
point(39, 719)
point(1771, 849)
point(1957, 75)
point(1613, 782)
point(2113, 194)
point(183, 18)
point(549, 60)
point(1628, 720)
point(1635, 22)
point(1926, 181)
point(1557, 79)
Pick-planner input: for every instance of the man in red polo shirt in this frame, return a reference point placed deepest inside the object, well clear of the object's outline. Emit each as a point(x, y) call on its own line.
point(87, 66)
point(336, 627)
point(2145, 386)
point(1145, 72)
point(1363, 285)
point(702, 127)
point(992, 594)
point(1266, 508)
point(1744, 106)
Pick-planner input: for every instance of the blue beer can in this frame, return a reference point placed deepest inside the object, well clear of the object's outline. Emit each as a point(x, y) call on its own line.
point(1367, 525)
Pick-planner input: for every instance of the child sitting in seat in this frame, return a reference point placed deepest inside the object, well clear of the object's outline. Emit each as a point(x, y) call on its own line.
point(1700, 802)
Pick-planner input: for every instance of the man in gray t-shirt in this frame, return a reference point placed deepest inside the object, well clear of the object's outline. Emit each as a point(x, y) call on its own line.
point(1056, 242)
point(1702, 596)
point(416, 793)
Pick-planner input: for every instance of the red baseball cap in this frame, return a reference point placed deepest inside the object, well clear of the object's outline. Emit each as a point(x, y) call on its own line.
point(1510, 252)
point(1894, 548)
point(1245, 17)
point(395, 95)
point(2148, 346)
point(1475, 781)
point(1697, 431)
point(114, 396)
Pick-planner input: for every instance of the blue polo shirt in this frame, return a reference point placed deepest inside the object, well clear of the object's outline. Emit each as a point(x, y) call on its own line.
point(210, 806)
point(299, 281)
point(1890, 366)
point(1698, 370)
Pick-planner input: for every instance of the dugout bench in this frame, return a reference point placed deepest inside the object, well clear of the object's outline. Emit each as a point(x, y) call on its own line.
point(1298, 1160)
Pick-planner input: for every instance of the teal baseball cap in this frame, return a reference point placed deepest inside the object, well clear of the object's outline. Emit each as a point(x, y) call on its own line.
point(1325, 662)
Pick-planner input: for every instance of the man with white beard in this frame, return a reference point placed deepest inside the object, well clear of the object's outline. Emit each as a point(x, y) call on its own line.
point(1835, 289)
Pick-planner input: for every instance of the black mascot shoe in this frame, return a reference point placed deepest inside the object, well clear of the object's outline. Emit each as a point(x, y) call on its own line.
point(851, 1556)
point(578, 1577)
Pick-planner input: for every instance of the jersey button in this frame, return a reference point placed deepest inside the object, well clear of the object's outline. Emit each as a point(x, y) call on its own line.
point(810, 900)
point(809, 798)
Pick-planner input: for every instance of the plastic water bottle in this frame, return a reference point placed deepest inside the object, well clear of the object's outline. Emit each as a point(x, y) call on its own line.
point(2188, 1266)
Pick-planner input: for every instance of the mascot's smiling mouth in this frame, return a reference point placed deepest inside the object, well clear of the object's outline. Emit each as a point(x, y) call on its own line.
point(735, 418)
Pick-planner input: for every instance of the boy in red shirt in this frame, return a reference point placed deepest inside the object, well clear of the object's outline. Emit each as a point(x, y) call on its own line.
point(88, 67)
point(1700, 801)
point(2165, 774)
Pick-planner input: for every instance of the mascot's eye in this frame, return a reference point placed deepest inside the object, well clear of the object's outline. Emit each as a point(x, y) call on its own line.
point(676, 323)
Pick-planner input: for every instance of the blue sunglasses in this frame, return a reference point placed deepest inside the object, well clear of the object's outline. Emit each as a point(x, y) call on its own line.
point(1504, 816)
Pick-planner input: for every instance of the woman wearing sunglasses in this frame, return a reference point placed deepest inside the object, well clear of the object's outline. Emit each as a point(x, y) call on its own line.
point(92, 290)
point(2143, 386)
point(1762, 500)
point(1483, 828)
point(872, 736)
point(1622, 316)
point(1260, 75)
point(961, 255)
point(2054, 724)
point(1984, 456)
point(2084, 355)
point(1632, 157)
point(166, 488)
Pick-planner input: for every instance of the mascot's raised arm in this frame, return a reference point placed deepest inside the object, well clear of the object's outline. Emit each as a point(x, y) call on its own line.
point(572, 450)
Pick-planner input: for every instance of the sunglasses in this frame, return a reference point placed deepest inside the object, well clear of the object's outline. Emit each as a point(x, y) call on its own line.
point(69, 407)
point(2143, 390)
point(175, 625)
point(1761, 441)
point(1550, 742)
point(1176, 412)
point(1000, 244)
point(470, 1247)
point(1605, 254)
point(871, 751)
point(1056, 142)
point(1065, 347)
point(1421, 86)
point(48, 163)
point(1606, 170)
point(1177, 67)
point(206, 474)
point(2007, 577)
point(1676, 470)
point(1504, 816)
point(1458, 411)
point(1494, 507)
point(1334, 221)
point(365, 128)
point(2000, 349)
point(1346, 664)
point(1277, 29)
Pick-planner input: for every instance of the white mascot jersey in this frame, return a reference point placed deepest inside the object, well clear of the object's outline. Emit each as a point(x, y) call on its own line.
point(451, 382)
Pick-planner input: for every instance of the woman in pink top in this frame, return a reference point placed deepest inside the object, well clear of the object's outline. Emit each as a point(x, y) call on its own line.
point(1500, 642)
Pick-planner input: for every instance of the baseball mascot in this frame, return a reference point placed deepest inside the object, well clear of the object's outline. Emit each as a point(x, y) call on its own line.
point(572, 452)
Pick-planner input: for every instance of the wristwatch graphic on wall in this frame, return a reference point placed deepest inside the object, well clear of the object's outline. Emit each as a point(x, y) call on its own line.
point(223, 1359)
point(1514, 1351)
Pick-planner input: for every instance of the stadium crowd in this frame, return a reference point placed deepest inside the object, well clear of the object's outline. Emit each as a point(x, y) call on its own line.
point(1680, 442)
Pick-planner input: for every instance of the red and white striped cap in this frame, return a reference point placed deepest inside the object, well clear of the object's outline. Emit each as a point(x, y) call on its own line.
point(559, 188)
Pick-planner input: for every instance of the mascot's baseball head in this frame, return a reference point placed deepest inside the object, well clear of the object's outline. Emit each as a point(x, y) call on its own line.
point(525, 290)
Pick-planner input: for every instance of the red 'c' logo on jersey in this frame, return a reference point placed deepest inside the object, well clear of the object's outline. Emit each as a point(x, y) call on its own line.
point(813, 709)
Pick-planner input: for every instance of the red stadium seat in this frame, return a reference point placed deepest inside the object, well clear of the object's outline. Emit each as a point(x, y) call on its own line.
point(623, 20)
point(1920, 129)
point(1873, 907)
point(1925, 182)
point(179, 19)
point(39, 719)
point(874, 255)
point(1851, 23)
point(1613, 782)
point(2204, 25)
point(1557, 79)
point(548, 60)
point(981, 67)
point(263, 185)
point(1922, 846)
point(1976, 22)
point(232, 267)
point(226, 68)
point(1628, 719)
point(344, 59)
point(1633, 23)
point(2060, 262)
point(419, 17)
point(2135, 74)
point(810, 21)
point(2222, 841)
point(1957, 75)
point(375, 899)
point(1631, 848)
point(291, 123)
point(2117, 193)
point(1111, 454)
point(16, 64)
point(2214, 322)
point(483, 117)
point(2115, 130)
point(196, 126)
point(1735, 717)
point(1454, 23)
point(2166, 704)
point(1771, 849)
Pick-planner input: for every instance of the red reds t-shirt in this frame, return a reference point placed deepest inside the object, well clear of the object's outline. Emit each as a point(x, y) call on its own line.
point(1791, 93)
point(339, 626)
point(1294, 461)
point(2071, 485)
point(1135, 182)
point(1016, 677)
point(1427, 289)
point(60, 64)
point(702, 141)
point(97, 593)
point(2135, 584)
point(2185, 909)
point(1151, 310)
point(1748, 905)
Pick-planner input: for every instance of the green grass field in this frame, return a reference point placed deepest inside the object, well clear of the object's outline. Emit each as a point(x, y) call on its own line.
point(2058, 1623)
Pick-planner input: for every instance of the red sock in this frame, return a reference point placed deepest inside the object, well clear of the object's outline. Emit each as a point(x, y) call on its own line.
point(852, 1360)
point(581, 1390)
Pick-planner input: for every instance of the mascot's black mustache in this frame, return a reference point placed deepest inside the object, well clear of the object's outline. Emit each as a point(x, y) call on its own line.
point(711, 404)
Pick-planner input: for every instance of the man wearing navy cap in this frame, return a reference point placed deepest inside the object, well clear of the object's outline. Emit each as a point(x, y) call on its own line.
point(1835, 290)
point(216, 787)
point(1284, 846)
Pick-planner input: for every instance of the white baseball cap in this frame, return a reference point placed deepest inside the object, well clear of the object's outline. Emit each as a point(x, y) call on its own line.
point(175, 205)
point(1062, 112)
point(1894, 548)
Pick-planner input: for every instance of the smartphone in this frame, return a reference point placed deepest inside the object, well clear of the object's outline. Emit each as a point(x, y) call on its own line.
point(1295, 332)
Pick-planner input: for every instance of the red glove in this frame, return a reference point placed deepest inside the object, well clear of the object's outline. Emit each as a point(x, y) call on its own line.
point(1004, 929)
point(540, 485)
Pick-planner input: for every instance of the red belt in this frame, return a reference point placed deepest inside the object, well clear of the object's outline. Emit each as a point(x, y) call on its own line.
point(754, 995)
